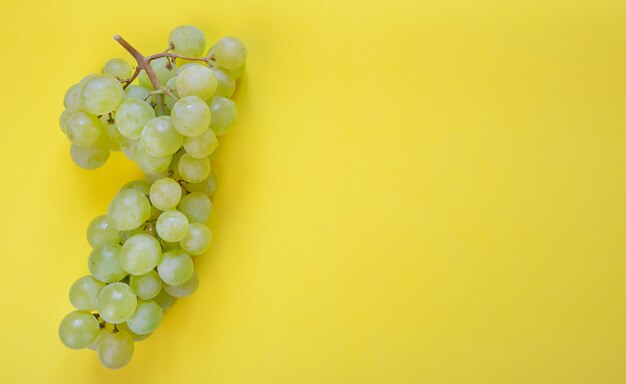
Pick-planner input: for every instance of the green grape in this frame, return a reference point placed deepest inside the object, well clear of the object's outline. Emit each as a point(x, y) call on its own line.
point(223, 114)
point(72, 100)
point(165, 193)
point(171, 85)
point(163, 69)
point(198, 81)
point(198, 239)
point(132, 115)
point(164, 299)
point(186, 65)
point(100, 232)
point(90, 156)
point(128, 148)
point(83, 129)
point(104, 263)
point(188, 41)
point(129, 209)
point(115, 350)
point(146, 286)
point(124, 327)
point(78, 329)
point(207, 186)
point(149, 163)
point(83, 293)
point(116, 303)
point(106, 329)
point(141, 185)
point(230, 53)
point(113, 137)
point(139, 92)
point(152, 177)
point(140, 254)
point(125, 235)
point(167, 246)
point(159, 138)
point(176, 267)
point(185, 289)
point(202, 145)
point(101, 94)
point(196, 206)
point(65, 116)
point(146, 318)
point(194, 170)
point(119, 68)
point(225, 82)
point(191, 116)
point(172, 226)
point(237, 72)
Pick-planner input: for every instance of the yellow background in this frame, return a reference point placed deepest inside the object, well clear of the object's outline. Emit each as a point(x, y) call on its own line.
point(416, 192)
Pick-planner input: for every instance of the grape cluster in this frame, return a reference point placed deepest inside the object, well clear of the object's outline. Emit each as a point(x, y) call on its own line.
point(144, 247)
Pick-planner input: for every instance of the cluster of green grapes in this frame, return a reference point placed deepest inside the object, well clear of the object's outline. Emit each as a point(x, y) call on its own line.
point(143, 249)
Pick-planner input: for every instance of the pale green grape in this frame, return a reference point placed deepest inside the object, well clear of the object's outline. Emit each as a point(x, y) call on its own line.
point(90, 156)
point(101, 94)
point(113, 137)
point(163, 69)
point(176, 267)
point(198, 239)
point(149, 163)
point(119, 68)
point(128, 148)
point(191, 116)
point(146, 318)
point(139, 92)
point(146, 286)
point(116, 303)
point(194, 170)
point(230, 53)
point(125, 235)
point(167, 246)
point(132, 115)
point(159, 138)
point(164, 299)
point(83, 293)
point(124, 327)
point(165, 193)
point(65, 116)
point(207, 186)
point(104, 263)
point(72, 100)
point(185, 289)
point(78, 329)
point(237, 72)
point(188, 41)
point(223, 114)
point(196, 206)
point(106, 329)
point(225, 82)
point(115, 350)
point(140, 254)
point(171, 85)
point(141, 185)
point(83, 129)
point(172, 226)
point(186, 65)
point(129, 209)
point(196, 81)
point(152, 177)
point(100, 232)
point(202, 145)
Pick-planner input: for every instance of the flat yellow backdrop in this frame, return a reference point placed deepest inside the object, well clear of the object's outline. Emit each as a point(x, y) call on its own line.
point(416, 192)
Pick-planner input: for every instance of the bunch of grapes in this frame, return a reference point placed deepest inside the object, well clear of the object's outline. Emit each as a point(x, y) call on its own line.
point(168, 124)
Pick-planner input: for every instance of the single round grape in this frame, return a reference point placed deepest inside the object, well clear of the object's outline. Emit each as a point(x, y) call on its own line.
point(131, 116)
point(171, 85)
point(163, 69)
point(164, 299)
point(191, 116)
point(223, 114)
point(115, 350)
point(146, 318)
point(202, 145)
point(172, 226)
point(72, 100)
point(83, 128)
point(225, 82)
point(129, 209)
point(141, 185)
point(139, 92)
point(113, 137)
point(176, 267)
point(128, 148)
point(100, 232)
point(207, 186)
point(104, 263)
point(188, 41)
point(78, 329)
point(194, 170)
point(83, 293)
point(159, 138)
point(116, 303)
point(140, 254)
point(198, 239)
point(165, 193)
point(119, 68)
point(101, 94)
point(196, 81)
point(146, 286)
point(65, 116)
point(149, 163)
point(185, 289)
point(124, 327)
point(90, 156)
point(230, 53)
point(196, 206)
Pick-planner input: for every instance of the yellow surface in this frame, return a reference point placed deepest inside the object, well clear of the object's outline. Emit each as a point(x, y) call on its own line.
point(416, 192)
